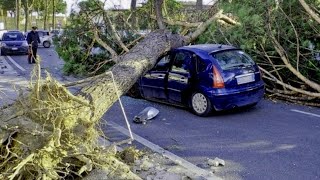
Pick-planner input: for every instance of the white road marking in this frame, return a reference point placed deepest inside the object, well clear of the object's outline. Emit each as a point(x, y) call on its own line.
point(307, 113)
point(16, 64)
point(189, 166)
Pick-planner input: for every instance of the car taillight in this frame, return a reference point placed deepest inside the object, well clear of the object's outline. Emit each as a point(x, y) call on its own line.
point(217, 79)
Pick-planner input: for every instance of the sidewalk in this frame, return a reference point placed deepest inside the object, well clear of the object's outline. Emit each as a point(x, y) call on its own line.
point(10, 83)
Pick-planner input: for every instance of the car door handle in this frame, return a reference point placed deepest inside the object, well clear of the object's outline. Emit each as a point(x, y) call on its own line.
point(183, 79)
point(160, 77)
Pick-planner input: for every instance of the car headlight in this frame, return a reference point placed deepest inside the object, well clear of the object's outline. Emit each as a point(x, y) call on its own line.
point(25, 44)
point(3, 44)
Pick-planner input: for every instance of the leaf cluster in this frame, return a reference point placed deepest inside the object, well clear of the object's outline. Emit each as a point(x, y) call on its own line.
point(259, 19)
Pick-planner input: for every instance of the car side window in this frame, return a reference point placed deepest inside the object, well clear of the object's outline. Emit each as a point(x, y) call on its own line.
point(163, 64)
point(180, 63)
point(198, 63)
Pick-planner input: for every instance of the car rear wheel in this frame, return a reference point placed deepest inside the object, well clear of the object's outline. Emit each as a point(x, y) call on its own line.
point(46, 44)
point(200, 104)
point(2, 53)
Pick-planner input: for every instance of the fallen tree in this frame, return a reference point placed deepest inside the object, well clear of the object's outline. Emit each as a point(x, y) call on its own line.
point(50, 133)
point(284, 43)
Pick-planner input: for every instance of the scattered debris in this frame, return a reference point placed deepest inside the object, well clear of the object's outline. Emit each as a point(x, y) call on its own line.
point(147, 114)
point(216, 162)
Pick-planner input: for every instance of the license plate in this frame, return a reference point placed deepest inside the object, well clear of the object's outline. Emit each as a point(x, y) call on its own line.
point(243, 79)
point(14, 49)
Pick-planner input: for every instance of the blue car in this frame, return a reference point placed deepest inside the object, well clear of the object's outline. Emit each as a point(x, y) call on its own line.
point(204, 78)
point(13, 42)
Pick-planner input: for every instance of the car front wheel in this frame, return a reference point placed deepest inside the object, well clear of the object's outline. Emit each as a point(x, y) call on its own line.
point(46, 44)
point(200, 104)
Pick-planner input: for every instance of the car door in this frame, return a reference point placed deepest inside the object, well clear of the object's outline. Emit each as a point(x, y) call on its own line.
point(154, 82)
point(179, 76)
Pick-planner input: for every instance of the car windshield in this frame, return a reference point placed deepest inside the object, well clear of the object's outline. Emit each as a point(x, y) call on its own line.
point(13, 37)
point(232, 59)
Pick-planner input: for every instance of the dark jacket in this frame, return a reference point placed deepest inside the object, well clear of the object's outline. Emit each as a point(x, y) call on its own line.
point(33, 38)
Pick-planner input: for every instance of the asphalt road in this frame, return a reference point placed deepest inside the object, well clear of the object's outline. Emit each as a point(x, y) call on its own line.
point(273, 140)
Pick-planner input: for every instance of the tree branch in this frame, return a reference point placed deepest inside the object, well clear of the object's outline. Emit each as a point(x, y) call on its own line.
point(273, 78)
point(104, 45)
point(310, 11)
point(203, 27)
point(158, 9)
point(114, 32)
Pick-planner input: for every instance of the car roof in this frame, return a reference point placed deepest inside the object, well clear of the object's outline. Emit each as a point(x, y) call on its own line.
point(13, 32)
point(208, 48)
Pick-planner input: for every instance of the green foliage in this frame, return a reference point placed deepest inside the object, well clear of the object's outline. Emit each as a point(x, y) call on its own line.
point(7, 5)
point(259, 19)
point(76, 44)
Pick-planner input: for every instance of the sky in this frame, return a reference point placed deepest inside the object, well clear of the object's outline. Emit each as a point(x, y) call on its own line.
point(125, 4)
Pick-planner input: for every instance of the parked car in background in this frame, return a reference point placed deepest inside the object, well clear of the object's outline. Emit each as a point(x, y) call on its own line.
point(45, 38)
point(204, 78)
point(56, 32)
point(13, 42)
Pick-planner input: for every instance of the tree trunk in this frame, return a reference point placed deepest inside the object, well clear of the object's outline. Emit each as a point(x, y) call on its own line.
point(199, 5)
point(18, 14)
point(55, 128)
point(26, 14)
point(45, 15)
point(158, 9)
point(133, 16)
point(131, 65)
point(53, 14)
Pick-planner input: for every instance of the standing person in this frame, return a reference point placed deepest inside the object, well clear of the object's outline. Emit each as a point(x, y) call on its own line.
point(33, 40)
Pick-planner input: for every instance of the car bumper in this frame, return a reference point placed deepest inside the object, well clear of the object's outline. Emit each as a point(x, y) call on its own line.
point(237, 99)
point(14, 50)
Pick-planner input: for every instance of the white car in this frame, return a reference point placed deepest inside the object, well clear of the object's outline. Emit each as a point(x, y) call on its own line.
point(45, 38)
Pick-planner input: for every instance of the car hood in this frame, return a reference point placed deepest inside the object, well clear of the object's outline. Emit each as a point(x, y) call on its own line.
point(13, 43)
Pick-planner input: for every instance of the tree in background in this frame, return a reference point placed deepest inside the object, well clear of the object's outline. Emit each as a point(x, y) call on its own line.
point(27, 7)
point(5, 7)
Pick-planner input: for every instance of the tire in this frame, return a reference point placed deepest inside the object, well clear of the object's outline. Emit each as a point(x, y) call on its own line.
point(200, 104)
point(134, 91)
point(46, 44)
point(2, 53)
point(252, 105)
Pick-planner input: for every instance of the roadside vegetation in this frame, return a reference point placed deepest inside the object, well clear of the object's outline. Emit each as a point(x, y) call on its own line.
point(51, 133)
point(40, 13)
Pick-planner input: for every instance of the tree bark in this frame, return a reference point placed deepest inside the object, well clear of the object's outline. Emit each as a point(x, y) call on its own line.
point(133, 8)
point(54, 123)
point(158, 9)
point(199, 5)
point(53, 14)
point(26, 14)
point(131, 65)
point(45, 17)
point(18, 14)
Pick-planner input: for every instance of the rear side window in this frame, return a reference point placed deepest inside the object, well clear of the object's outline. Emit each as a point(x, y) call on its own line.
point(232, 59)
point(199, 63)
